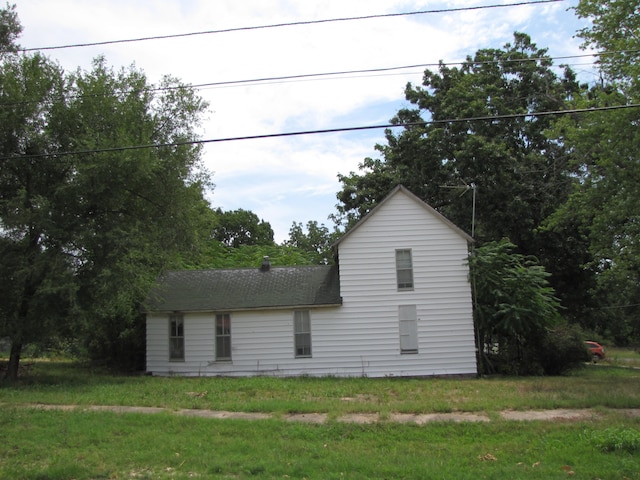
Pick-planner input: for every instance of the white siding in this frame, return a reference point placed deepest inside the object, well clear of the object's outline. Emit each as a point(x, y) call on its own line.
point(262, 343)
point(362, 337)
point(199, 336)
point(441, 291)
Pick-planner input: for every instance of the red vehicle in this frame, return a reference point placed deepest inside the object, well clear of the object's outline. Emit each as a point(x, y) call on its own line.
point(596, 350)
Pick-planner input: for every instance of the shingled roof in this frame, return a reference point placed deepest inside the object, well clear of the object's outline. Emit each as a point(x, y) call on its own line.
point(245, 289)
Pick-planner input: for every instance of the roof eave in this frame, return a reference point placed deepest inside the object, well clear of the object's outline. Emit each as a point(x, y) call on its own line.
point(247, 309)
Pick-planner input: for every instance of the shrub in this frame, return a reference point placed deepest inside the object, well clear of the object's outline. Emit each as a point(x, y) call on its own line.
point(514, 305)
point(563, 349)
point(615, 439)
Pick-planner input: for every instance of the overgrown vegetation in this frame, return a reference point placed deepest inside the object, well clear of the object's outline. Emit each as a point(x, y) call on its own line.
point(617, 439)
point(519, 327)
point(84, 237)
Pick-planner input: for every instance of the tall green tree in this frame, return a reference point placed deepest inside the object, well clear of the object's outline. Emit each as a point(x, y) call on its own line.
point(316, 241)
point(614, 30)
point(10, 29)
point(604, 150)
point(468, 133)
point(136, 208)
point(521, 176)
point(83, 235)
point(218, 255)
point(35, 263)
point(241, 227)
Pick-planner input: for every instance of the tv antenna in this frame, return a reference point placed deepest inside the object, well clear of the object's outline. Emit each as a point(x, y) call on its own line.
point(465, 188)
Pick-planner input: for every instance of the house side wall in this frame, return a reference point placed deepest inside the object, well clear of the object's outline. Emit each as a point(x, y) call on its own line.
point(199, 337)
point(262, 343)
point(441, 292)
point(361, 337)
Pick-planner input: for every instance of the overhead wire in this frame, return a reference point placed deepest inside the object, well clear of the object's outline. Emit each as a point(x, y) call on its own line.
point(297, 77)
point(291, 24)
point(278, 79)
point(388, 69)
point(324, 74)
point(325, 131)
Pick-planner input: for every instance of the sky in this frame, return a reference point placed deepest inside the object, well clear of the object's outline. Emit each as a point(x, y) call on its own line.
point(291, 179)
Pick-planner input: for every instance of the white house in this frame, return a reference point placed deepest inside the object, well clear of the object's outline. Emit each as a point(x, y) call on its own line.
point(398, 303)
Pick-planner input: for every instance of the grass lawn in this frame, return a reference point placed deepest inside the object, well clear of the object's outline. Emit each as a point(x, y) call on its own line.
point(78, 444)
point(622, 357)
point(602, 385)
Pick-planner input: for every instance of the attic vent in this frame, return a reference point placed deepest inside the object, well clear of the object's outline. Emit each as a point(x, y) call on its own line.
point(266, 264)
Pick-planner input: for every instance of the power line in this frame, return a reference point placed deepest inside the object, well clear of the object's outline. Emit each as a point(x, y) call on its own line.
point(329, 130)
point(345, 72)
point(388, 69)
point(290, 24)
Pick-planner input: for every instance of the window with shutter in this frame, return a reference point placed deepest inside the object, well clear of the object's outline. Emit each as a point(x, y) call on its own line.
point(408, 328)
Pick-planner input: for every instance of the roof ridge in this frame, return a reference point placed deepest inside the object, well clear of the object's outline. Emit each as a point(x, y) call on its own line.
point(184, 270)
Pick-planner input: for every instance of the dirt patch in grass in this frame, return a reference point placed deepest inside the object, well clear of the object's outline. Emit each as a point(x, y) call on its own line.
point(306, 417)
point(361, 397)
point(359, 418)
point(559, 414)
point(362, 418)
point(438, 417)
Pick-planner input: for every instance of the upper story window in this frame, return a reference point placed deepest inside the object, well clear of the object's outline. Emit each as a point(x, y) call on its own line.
point(176, 337)
point(404, 269)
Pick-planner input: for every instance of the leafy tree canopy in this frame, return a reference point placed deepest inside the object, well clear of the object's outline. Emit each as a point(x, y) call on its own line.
point(241, 227)
point(312, 247)
point(614, 30)
point(10, 29)
point(316, 241)
point(520, 174)
point(82, 236)
point(604, 150)
point(219, 255)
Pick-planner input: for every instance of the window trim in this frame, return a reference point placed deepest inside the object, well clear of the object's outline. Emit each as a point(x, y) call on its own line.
point(404, 286)
point(223, 337)
point(176, 333)
point(305, 317)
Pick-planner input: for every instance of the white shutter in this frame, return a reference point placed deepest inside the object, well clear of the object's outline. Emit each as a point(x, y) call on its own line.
point(408, 328)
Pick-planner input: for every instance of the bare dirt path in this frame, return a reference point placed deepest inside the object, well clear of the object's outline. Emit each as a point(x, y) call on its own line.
point(361, 418)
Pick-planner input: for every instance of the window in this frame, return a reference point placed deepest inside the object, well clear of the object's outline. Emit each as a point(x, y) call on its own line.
point(404, 269)
point(223, 336)
point(408, 328)
point(176, 337)
point(302, 333)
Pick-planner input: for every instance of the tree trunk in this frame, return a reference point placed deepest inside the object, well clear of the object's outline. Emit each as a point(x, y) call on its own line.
point(14, 361)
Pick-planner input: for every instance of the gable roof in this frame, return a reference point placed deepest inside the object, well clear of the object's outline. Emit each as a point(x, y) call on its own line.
point(401, 189)
point(245, 289)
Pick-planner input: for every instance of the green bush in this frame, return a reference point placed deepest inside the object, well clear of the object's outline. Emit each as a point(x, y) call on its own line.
point(618, 439)
point(514, 306)
point(563, 349)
